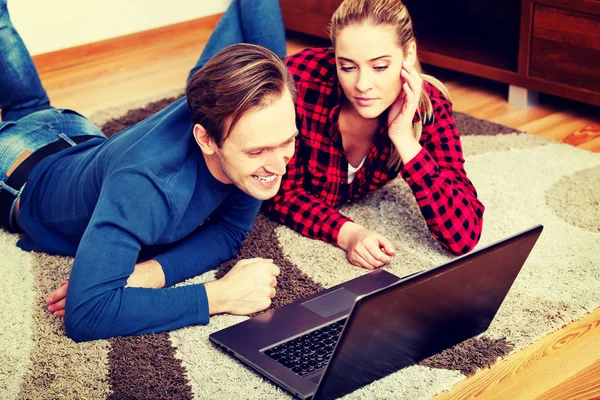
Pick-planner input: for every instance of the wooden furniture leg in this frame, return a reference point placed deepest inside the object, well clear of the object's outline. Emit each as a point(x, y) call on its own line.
point(522, 97)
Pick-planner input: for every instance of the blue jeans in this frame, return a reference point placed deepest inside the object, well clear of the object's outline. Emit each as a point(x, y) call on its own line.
point(21, 92)
point(247, 21)
point(29, 122)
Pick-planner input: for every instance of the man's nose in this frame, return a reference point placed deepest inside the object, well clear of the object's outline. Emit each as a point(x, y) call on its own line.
point(279, 160)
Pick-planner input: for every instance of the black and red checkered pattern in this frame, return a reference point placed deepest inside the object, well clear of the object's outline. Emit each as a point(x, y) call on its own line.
point(317, 179)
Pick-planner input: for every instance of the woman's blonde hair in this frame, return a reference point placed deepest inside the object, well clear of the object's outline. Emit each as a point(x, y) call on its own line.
point(392, 13)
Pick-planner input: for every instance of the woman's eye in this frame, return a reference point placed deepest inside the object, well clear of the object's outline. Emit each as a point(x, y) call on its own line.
point(380, 68)
point(347, 69)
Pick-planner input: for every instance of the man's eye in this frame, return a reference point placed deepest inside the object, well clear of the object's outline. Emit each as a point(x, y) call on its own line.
point(255, 153)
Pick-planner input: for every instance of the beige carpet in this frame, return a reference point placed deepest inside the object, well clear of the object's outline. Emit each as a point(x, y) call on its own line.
point(523, 180)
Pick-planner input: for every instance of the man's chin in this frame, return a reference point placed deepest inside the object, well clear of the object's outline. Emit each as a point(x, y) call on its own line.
point(261, 193)
point(266, 195)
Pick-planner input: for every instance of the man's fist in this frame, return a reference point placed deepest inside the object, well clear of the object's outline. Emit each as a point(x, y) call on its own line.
point(248, 288)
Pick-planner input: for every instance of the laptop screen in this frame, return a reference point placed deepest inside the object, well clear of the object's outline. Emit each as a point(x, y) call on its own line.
point(415, 318)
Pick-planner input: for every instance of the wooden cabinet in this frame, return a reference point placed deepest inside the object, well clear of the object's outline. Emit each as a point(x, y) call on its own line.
point(308, 16)
point(565, 47)
point(550, 46)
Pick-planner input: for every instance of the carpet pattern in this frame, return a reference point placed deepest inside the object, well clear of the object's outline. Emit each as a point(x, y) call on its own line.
point(522, 179)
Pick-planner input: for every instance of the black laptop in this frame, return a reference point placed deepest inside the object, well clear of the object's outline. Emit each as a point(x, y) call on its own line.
point(339, 340)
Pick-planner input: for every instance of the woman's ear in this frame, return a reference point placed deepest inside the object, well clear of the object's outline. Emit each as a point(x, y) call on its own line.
point(207, 145)
point(411, 53)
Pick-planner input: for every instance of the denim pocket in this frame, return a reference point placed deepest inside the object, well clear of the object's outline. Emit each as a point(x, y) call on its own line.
point(68, 111)
point(6, 124)
point(72, 124)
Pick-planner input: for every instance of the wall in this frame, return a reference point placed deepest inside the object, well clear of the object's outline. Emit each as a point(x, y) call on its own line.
point(58, 24)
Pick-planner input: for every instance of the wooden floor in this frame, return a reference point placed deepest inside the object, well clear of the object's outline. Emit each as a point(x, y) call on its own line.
point(112, 72)
point(564, 365)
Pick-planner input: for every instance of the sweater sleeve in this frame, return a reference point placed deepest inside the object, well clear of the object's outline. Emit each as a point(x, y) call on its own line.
point(132, 211)
point(217, 240)
point(436, 175)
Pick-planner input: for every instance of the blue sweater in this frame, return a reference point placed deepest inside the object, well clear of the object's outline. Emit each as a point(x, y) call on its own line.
point(146, 192)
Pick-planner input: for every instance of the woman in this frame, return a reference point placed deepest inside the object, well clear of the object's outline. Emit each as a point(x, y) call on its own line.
point(367, 114)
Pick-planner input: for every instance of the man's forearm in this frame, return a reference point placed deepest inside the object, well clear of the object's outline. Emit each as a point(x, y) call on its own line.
point(147, 274)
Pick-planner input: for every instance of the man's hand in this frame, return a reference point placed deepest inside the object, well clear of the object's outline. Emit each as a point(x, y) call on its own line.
point(248, 288)
point(147, 274)
point(56, 300)
point(367, 249)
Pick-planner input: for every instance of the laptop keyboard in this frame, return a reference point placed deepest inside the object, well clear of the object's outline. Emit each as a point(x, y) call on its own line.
point(308, 353)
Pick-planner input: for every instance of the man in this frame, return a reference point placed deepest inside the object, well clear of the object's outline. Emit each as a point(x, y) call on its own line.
point(179, 191)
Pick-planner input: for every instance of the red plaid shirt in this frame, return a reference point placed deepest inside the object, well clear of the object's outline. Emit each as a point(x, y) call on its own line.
point(317, 176)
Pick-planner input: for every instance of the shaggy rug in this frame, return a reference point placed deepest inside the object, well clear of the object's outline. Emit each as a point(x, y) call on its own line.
point(522, 179)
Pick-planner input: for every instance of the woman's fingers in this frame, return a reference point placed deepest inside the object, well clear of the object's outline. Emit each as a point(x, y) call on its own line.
point(409, 95)
point(357, 260)
point(368, 257)
point(415, 83)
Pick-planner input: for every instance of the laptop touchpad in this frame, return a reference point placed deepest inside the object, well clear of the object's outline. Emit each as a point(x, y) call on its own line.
point(331, 303)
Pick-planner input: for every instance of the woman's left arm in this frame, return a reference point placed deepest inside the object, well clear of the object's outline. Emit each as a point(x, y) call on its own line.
point(434, 169)
point(447, 198)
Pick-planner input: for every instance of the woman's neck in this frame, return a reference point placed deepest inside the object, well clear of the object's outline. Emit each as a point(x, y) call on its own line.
point(358, 134)
point(353, 124)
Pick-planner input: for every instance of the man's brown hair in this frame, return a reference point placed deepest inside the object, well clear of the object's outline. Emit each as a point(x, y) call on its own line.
point(237, 79)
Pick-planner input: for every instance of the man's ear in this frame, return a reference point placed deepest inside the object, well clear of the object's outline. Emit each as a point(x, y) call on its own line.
point(411, 53)
point(207, 145)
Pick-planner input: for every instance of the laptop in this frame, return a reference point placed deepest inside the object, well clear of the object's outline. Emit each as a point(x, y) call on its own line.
point(334, 342)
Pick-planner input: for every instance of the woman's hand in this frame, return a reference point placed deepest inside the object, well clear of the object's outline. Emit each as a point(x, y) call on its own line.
point(367, 249)
point(402, 111)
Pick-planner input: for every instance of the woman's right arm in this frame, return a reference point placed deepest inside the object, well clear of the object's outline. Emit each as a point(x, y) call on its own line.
point(297, 204)
point(307, 214)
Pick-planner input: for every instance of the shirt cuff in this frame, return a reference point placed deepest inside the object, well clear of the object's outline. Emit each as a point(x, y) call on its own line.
point(419, 171)
point(163, 260)
point(202, 304)
point(337, 226)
